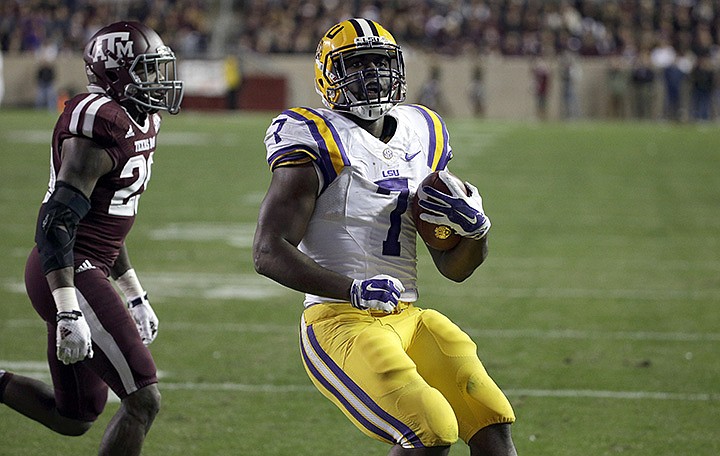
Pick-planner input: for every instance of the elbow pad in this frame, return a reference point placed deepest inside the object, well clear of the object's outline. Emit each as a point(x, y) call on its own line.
point(57, 225)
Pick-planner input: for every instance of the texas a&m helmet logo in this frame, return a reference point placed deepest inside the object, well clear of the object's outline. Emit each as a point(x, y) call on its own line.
point(114, 49)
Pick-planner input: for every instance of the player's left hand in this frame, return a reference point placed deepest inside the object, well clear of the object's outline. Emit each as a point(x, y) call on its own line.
point(463, 212)
point(145, 318)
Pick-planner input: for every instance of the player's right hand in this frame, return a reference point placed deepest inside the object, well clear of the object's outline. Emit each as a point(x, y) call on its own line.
point(381, 292)
point(461, 211)
point(73, 340)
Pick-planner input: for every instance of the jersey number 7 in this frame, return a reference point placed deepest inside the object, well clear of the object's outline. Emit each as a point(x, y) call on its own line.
point(391, 244)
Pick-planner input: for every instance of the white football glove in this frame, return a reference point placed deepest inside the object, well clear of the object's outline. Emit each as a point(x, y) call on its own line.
point(460, 211)
point(381, 292)
point(145, 318)
point(72, 338)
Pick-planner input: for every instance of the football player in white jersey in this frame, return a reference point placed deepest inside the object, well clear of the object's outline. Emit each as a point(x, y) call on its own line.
point(336, 224)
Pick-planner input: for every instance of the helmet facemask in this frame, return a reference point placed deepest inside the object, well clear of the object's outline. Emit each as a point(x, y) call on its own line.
point(367, 81)
point(155, 85)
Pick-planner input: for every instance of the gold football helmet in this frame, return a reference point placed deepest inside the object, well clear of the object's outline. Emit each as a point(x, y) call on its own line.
point(359, 69)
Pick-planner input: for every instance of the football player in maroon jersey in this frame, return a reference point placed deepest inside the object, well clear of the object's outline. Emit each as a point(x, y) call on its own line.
point(102, 151)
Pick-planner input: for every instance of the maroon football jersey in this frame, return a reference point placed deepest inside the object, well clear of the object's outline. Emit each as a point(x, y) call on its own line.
point(114, 200)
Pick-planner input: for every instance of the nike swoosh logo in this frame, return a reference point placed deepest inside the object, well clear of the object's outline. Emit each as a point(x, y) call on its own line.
point(409, 157)
point(472, 220)
point(370, 287)
point(475, 222)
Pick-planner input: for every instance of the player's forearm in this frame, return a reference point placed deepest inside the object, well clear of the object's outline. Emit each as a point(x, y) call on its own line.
point(64, 277)
point(460, 262)
point(285, 264)
point(122, 263)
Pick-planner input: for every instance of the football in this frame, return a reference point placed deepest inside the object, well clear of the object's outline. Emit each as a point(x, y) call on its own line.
point(439, 237)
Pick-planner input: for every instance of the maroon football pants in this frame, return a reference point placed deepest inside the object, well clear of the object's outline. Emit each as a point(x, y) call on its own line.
point(120, 360)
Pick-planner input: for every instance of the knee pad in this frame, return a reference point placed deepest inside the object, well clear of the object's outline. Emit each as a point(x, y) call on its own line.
point(487, 402)
point(433, 414)
point(479, 384)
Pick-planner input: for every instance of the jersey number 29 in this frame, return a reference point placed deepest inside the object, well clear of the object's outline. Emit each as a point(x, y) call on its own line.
point(125, 201)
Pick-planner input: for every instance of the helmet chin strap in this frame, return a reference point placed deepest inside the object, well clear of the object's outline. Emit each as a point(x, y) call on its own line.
point(371, 112)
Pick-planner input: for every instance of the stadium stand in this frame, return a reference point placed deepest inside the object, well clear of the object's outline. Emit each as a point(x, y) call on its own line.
point(65, 25)
point(676, 34)
point(509, 27)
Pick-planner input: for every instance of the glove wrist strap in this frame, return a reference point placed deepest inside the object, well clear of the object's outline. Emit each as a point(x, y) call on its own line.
point(65, 299)
point(137, 301)
point(74, 315)
point(355, 290)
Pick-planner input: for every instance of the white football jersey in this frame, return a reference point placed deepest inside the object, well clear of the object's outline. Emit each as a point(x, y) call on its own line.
point(362, 225)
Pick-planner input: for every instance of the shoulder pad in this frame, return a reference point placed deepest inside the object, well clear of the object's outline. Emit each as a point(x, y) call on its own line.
point(432, 129)
point(98, 117)
point(307, 131)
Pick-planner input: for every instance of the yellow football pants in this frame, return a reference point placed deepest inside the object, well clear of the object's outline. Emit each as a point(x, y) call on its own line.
point(411, 377)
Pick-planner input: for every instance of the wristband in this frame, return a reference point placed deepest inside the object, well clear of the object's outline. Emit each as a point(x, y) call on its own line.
point(65, 299)
point(130, 285)
point(74, 315)
point(137, 301)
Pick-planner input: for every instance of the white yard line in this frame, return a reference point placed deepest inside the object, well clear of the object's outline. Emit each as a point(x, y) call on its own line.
point(586, 293)
point(542, 393)
point(246, 287)
point(630, 395)
point(529, 333)
point(38, 370)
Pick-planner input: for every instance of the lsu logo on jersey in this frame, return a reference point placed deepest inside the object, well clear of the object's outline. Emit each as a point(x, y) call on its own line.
point(112, 47)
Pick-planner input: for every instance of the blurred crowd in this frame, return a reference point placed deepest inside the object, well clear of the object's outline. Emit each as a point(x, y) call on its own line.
point(674, 44)
point(646, 42)
point(508, 27)
point(48, 27)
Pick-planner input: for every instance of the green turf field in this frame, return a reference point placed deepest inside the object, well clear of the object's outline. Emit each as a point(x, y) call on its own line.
point(597, 310)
